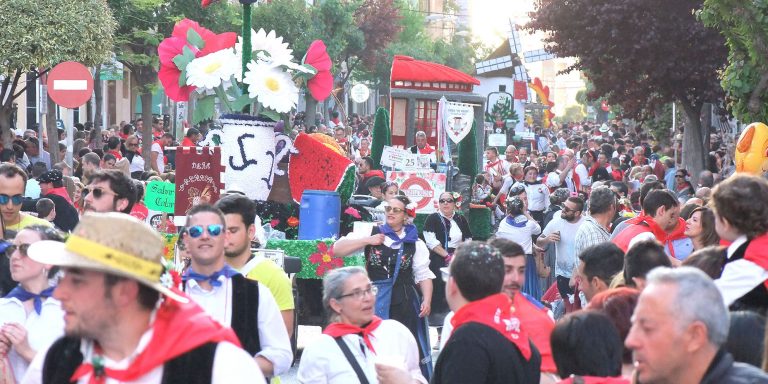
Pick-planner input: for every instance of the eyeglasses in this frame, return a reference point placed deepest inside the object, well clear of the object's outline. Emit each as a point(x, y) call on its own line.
point(15, 199)
point(131, 144)
point(97, 192)
point(393, 210)
point(443, 201)
point(196, 231)
point(359, 294)
point(13, 247)
point(679, 176)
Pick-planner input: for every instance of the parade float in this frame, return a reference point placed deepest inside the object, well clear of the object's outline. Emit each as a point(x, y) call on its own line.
point(303, 187)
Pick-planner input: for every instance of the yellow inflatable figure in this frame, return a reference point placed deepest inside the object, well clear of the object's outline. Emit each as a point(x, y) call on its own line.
point(752, 149)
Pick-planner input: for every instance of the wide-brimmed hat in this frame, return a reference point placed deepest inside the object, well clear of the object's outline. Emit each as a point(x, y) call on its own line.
point(114, 243)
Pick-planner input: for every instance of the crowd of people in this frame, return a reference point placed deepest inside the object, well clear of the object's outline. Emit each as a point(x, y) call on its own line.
point(606, 265)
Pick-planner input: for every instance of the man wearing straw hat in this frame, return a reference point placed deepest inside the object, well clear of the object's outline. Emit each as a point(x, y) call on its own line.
point(243, 304)
point(125, 319)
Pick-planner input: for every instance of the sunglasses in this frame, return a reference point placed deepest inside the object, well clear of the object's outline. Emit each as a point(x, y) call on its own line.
point(393, 210)
point(15, 199)
point(12, 248)
point(443, 201)
point(97, 192)
point(196, 231)
point(680, 176)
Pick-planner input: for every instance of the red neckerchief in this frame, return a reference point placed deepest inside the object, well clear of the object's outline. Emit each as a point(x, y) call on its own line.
point(494, 311)
point(756, 252)
point(593, 169)
point(372, 173)
point(426, 150)
point(60, 191)
point(178, 329)
point(116, 154)
point(340, 329)
point(661, 235)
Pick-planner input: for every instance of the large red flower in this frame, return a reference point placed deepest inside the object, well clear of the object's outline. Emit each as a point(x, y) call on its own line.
point(325, 259)
point(173, 46)
point(321, 85)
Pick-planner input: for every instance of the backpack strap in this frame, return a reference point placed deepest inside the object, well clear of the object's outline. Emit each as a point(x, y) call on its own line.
point(352, 361)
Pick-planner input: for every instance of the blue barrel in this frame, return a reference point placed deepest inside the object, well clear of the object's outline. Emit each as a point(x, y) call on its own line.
point(319, 215)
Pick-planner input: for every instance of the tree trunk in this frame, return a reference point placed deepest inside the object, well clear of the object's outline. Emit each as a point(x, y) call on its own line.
point(5, 125)
point(309, 112)
point(98, 93)
point(52, 132)
point(146, 133)
point(693, 145)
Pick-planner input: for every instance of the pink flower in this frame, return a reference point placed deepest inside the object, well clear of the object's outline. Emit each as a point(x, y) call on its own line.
point(353, 212)
point(321, 85)
point(173, 46)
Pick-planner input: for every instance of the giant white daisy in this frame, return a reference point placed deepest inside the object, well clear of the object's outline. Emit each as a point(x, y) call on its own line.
point(210, 70)
point(271, 47)
point(271, 86)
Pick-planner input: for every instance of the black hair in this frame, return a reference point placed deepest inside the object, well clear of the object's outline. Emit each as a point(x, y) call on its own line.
point(7, 154)
point(477, 269)
point(586, 343)
point(113, 142)
point(603, 260)
point(239, 205)
point(368, 160)
point(578, 201)
point(119, 183)
point(139, 189)
point(659, 198)
point(743, 342)
point(621, 186)
point(201, 208)
point(506, 247)
point(147, 296)
point(646, 188)
point(192, 132)
point(44, 206)
point(641, 258)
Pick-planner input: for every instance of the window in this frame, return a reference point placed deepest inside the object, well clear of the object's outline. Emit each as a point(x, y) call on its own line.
point(426, 116)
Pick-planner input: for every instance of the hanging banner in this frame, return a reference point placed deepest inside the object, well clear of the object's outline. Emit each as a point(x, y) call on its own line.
point(198, 177)
point(458, 120)
point(160, 196)
point(422, 188)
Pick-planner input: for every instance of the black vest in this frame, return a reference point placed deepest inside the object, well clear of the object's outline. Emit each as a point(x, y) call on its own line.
point(245, 310)
point(755, 300)
point(193, 367)
point(380, 264)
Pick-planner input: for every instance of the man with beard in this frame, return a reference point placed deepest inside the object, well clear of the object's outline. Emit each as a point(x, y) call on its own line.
point(240, 216)
point(562, 231)
point(109, 191)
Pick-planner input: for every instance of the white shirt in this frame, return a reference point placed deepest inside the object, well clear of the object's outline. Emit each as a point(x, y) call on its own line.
point(553, 180)
point(160, 163)
point(324, 362)
point(739, 277)
point(421, 270)
point(230, 365)
point(538, 197)
point(520, 235)
point(42, 329)
point(273, 337)
point(454, 236)
point(565, 249)
point(583, 173)
point(137, 163)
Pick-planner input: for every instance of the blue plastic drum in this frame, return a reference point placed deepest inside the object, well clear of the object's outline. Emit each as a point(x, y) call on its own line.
point(319, 215)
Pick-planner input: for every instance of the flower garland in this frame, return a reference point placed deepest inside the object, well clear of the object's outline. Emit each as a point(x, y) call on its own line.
point(304, 249)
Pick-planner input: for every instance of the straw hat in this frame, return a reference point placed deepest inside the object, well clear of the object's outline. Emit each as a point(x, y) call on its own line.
point(114, 243)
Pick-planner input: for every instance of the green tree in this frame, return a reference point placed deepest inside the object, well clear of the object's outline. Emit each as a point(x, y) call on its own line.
point(744, 24)
point(291, 19)
point(143, 25)
point(37, 35)
point(572, 113)
point(381, 136)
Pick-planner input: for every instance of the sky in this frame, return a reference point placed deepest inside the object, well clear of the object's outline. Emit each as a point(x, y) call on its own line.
point(489, 19)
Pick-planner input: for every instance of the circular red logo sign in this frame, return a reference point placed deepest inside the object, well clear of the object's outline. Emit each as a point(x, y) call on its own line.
point(70, 84)
point(418, 190)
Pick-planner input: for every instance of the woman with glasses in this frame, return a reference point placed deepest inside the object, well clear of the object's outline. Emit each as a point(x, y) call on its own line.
point(397, 261)
point(30, 319)
point(683, 188)
point(444, 230)
point(357, 346)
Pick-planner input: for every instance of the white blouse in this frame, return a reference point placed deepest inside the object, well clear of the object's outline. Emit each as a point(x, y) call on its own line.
point(421, 270)
point(323, 361)
point(42, 329)
point(454, 236)
point(520, 235)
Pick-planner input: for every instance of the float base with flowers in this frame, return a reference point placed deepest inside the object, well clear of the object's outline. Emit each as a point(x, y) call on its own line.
point(317, 257)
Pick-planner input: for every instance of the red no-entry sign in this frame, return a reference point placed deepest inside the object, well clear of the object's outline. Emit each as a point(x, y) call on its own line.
point(70, 84)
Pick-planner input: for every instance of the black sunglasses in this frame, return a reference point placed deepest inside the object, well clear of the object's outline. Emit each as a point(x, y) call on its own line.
point(97, 192)
point(446, 201)
point(15, 199)
point(22, 250)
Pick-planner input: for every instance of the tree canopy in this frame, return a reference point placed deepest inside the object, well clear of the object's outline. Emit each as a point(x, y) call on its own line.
point(744, 24)
point(40, 34)
point(641, 54)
